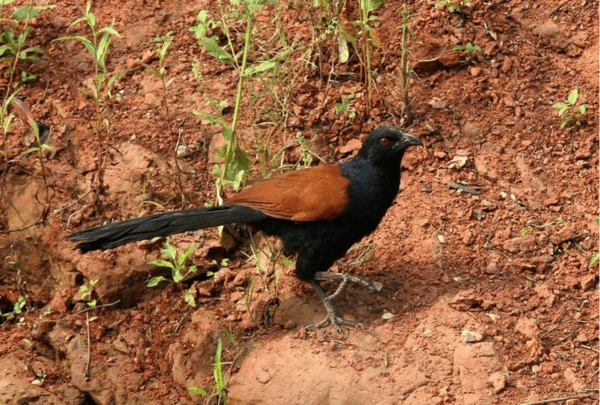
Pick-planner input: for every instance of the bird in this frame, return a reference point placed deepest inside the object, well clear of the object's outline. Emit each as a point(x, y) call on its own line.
point(318, 213)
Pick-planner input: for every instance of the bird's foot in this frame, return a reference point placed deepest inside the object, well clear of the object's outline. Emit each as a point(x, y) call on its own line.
point(335, 320)
point(325, 275)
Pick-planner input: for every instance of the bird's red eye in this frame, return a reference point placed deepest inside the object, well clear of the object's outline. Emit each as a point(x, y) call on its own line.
point(385, 142)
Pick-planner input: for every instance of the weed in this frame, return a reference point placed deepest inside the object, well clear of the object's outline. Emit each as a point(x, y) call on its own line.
point(405, 70)
point(344, 107)
point(18, 307)
point(526, 230)
point(176, 262)
point(469, 48)
point(369, 37)
point(306, 156)
point(574, 115)
point(236, 163)
point(86, 291)
point(220, 386)
point(596, 256)
point(100, 86)
point(13, 40)
point(160, 73)
point(453, 6)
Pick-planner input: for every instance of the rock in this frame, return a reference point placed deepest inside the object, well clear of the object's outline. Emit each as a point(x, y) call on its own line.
point(498, 381)
point(16, 387)
point(492, 268)
point(587, 282)
point(527, 328)
point(458, 162)
point(470, 129)
point(467, 237)
point(439, 154)
point(469, 336)
point(438, 104)
point(475, 71)
point(572, 378)
point(544, 292)
point(464, 300)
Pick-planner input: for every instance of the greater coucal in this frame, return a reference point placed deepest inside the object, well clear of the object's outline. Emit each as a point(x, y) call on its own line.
point(318, 212)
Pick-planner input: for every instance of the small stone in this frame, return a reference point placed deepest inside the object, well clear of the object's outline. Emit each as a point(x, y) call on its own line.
point(506, 65)
point(535, 368)
point(441, 239)
point(503, 195)
point(492, 268)
point(263, 377)
point(458, 162)
point(587, 282)
point(438, 104)
point(439, 154)
point(469, 336)
point(475, 71)
point(498, 381)
point(527, 328)
point(387, 315)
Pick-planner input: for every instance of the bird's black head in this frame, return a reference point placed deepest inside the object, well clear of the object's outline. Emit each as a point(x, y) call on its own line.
point(386, 145)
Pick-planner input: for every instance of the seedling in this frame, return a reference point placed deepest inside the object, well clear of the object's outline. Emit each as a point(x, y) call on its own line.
point(574, 115)
point(99, 87)
point(469, 48)
point(344, 107)
point(176, 262)
point(17, 309)
point(526, 230)
point(596, 256)
point(86, 290)
point(452, 6)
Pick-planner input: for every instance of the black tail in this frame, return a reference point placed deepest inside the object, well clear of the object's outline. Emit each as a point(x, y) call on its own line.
point(165, 224)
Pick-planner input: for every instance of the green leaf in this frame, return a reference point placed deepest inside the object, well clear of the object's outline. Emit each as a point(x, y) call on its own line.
point(457, 48)
point(6, 2)
point(197, 390)
point(188, 296)
point(89, 45)
point(560, 107)
point(595, 258)
point(212, 47)
point(162, 263)
point(25, 12)
point(573, 96)
point(261, 67)
point(170, 252)
point(565, 121)
point(177, 275)
point(343, 49)
point(153, 282)
point(582, 108)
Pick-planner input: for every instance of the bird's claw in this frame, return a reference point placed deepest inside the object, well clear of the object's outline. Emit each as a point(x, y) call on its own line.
point(335, 321)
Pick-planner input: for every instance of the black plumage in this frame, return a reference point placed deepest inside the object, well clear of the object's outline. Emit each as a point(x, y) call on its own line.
point(318, 213)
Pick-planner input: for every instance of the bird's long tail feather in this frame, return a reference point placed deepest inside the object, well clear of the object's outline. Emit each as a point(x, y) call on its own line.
point(164, 224)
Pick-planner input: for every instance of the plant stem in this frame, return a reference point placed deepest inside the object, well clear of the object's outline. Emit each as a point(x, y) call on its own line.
point(238, 98)
point(367, 51)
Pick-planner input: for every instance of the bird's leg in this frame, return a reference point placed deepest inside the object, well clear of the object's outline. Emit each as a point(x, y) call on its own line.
point(332, 317)
point(325, 275)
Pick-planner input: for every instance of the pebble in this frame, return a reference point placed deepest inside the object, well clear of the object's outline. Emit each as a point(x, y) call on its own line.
point(498, 381)
point(469, 336)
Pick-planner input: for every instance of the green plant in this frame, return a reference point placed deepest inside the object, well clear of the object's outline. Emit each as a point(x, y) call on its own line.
point(306, 156)
point(17, 308)
point(369, 36)
point(469, 48)
point(86, 290)
point(13, 40)
point(406, 70)
point(160, 73)
point(344, 107)
point(176, 262)
point(596, 256)
point(453, 6)
point(220, 385)
point(236, 163)
point(574, 115)
point(99, 88)
point(526, 230)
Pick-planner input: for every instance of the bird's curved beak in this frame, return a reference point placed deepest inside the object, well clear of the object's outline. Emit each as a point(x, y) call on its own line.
point(408, 140)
